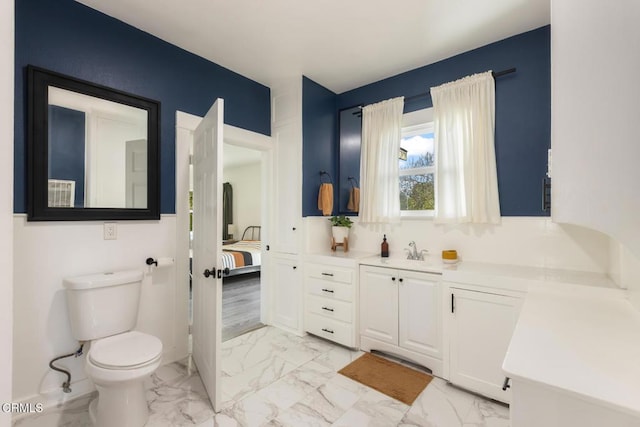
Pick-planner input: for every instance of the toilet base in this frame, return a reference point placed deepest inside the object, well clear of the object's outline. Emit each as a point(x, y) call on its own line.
point(122, 406)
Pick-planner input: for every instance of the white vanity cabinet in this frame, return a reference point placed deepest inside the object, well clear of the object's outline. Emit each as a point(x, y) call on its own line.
point(480, 324)
point(330, 299)
point(400, 313)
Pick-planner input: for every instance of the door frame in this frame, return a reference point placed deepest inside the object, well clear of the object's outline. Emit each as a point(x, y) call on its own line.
point(185, 125)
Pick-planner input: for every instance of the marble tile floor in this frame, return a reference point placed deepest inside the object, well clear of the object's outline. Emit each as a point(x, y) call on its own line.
point(272, 378)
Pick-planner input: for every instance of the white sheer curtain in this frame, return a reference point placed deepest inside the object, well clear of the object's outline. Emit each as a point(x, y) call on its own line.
point(464, 122)
point(379, 186)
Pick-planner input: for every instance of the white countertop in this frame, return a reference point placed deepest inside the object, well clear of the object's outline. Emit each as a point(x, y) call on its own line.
point(584, 341)
point(428, 265)
point(500, 276)
point(338, 257)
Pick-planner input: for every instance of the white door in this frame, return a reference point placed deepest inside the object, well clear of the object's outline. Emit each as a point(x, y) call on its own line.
point(136, 174)
point(207, 249)
point(479, 331)
point(379, 304)
point(419, 313)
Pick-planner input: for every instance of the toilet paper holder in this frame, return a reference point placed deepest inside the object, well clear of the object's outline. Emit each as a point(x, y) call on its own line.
point(160, 262)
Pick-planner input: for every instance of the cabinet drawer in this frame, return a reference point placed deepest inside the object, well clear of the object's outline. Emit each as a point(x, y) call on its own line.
point(330, 290)
point(330, 329)
point(330, 308)
point(329, 273)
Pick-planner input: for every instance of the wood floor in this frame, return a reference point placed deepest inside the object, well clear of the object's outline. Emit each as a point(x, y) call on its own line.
point(240, 305)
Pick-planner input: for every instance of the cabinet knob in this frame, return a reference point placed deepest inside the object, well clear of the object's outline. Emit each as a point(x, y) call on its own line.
point(393, 278)
point(327, 290)
point(294, 267)
point(327, 330)
point(505, 384)
point(401, 280)
point(294, 229)
point(327, 309)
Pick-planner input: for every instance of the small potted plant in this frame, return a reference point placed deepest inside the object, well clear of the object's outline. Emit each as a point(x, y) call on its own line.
point(340, 227)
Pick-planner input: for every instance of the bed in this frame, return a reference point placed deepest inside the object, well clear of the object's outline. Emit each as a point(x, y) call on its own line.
point(243, 256)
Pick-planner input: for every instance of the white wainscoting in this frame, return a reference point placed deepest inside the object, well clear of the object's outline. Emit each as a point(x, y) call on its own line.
point(529, 241)
point(6, 201)
point(44, 253)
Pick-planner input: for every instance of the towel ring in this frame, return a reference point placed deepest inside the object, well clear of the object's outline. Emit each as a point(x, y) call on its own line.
point(323, 173)
point(353, 180)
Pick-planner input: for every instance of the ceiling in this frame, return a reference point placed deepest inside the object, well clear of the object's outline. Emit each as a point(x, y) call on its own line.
point(235, 156)
point(340, 44)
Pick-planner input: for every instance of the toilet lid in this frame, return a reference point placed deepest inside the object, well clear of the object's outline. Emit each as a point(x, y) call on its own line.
point(127, 350)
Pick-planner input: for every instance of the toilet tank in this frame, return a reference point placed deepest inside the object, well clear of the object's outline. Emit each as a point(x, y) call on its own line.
point(103, 304)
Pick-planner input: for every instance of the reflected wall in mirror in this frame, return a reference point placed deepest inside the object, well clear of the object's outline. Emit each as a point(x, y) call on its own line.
point(350, 130)
point(93, 151)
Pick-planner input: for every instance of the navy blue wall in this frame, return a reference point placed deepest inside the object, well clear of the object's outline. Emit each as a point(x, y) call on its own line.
point(319, 147)
point(66, 147)
point(70, 38)
point(523, 109)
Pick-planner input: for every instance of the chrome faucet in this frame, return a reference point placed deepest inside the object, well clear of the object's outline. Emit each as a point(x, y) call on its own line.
point(413, 252)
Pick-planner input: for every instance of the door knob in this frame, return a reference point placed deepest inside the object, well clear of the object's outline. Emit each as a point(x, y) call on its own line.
point(225, 271)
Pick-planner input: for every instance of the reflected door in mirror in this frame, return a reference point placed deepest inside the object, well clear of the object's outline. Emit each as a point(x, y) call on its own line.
point(101, 146)
point(93, 151)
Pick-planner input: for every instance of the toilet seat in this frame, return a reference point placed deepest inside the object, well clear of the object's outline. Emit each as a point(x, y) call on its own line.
point(131, 350)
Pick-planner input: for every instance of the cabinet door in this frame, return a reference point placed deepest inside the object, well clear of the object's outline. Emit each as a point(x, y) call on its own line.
point(480, 329)
point(287, 294)
point(420, 314)
point(287, 189)
point(379, 304)
point(286, 129)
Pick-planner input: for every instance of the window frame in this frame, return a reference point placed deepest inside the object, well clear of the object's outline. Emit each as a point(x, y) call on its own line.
point(417, 123)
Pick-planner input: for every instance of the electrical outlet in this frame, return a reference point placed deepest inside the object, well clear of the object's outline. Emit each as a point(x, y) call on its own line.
point(110, 231)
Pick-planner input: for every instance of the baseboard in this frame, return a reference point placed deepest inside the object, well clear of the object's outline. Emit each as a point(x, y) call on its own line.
point(80, 388)
point(435, 365)
point(53, 398)
point(174, 355)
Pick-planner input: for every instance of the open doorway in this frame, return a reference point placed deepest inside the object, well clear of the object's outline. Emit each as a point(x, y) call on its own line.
point(253, 153)
point(242, 232)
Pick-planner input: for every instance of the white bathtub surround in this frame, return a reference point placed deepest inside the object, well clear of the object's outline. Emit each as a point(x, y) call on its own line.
point(602, 387)
point(527, 241)
point(46, 252)
point(309, 391)
point(625, 271)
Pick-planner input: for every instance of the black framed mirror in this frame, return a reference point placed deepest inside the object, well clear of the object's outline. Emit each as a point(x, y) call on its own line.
point(93, 152)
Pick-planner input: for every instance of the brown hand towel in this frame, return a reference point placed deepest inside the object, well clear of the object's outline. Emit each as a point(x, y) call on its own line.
point(325, 198)
point(354, 199)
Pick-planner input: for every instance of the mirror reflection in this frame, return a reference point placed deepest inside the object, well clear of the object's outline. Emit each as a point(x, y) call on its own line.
point(97, 152)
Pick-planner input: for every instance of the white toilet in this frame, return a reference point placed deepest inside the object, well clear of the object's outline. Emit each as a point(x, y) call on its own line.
point(103, 309)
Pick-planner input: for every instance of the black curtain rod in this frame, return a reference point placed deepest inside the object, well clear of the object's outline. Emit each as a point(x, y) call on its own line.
point(493, 73)
point(411, 98)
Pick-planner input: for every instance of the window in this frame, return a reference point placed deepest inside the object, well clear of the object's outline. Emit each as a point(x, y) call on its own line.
point(417, 172)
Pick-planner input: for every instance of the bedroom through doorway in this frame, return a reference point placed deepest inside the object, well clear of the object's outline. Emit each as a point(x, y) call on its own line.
point(243, 214)
point(242, 233)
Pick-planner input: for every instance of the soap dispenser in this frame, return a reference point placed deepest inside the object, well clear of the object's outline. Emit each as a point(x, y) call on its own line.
point(384, 248)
